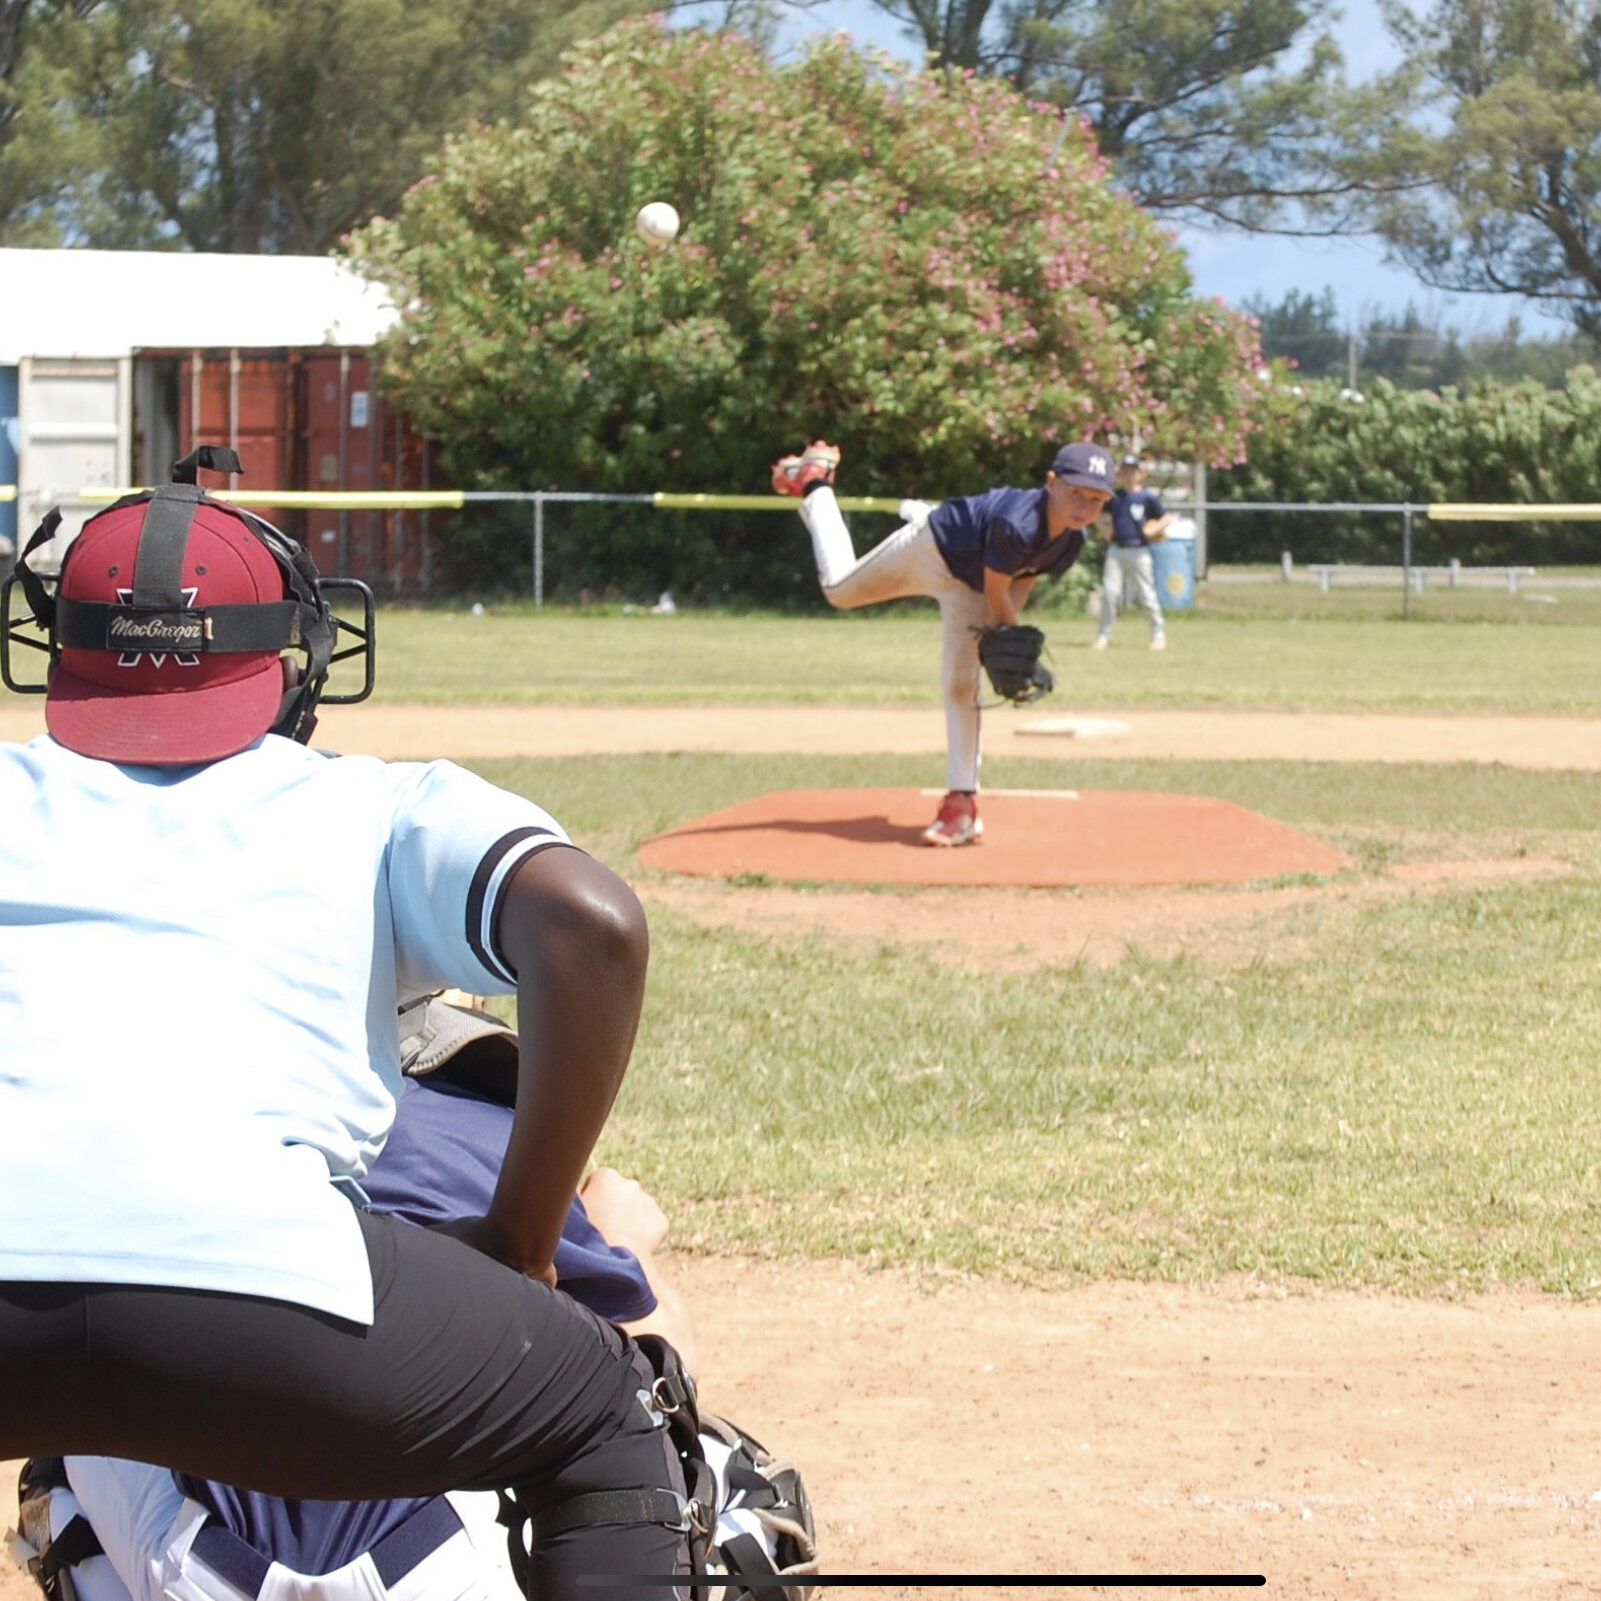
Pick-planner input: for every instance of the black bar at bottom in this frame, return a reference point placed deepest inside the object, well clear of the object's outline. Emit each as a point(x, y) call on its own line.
point(981, 1581)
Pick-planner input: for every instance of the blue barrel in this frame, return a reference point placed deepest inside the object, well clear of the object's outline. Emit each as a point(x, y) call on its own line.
point(1175, 566)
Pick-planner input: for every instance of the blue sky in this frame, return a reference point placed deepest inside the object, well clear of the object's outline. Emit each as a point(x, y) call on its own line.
point(1237, 265)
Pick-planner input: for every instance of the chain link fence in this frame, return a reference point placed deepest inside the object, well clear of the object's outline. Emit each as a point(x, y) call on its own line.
point(667, 550)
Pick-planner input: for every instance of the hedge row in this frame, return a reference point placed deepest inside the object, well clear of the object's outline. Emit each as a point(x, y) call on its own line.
point(1488, 442)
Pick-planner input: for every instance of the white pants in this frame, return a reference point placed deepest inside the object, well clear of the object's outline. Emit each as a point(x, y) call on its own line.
point(1135, 564)
point(909, 563)
point(147, 1525)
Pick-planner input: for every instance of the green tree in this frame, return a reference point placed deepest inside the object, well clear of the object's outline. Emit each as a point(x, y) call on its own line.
point(1234, 110)
point(1509, 354)
point(1411, 348)
point(1410, 351)
point(891, 259)
point(249, 125)
point(1302, 329)
point(1504, 168)
point(35, 152)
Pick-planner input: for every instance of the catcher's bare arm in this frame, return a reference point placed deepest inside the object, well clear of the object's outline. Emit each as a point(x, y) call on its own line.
point(575, 935)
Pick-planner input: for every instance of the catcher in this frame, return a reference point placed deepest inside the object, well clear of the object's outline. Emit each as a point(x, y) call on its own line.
point(978, 557)
point(187, 1273)
point(103, 1529)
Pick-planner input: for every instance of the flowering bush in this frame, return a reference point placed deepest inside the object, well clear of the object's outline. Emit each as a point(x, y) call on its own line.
point(929, 270)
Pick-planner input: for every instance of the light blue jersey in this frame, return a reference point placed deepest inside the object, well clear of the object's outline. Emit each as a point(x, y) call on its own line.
point(199, 970)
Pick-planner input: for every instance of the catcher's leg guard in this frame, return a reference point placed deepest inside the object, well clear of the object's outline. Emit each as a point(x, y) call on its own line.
point(50, 1559)
point(765, 1528)
point(641, 1504)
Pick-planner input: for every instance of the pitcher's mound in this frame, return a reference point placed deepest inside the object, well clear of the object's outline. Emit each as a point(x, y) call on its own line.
point(1035, 838)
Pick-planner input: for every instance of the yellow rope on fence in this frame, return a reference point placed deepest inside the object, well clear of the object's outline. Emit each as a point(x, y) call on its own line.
point(685, 502)
point(454, 499)
point(318, 500)
point(1469, 512)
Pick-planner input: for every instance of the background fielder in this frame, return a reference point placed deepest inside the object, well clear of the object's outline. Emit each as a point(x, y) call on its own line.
point(1139, 520)
point(977, 557)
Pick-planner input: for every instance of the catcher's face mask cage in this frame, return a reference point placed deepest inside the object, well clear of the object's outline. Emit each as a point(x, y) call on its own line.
point(302, 625)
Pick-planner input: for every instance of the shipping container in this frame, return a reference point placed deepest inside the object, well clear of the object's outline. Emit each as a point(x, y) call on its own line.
point(225, 335)
point(73, 432)
point(301, 419)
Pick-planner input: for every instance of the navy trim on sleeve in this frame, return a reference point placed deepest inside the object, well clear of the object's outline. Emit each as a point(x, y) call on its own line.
point(477, 927)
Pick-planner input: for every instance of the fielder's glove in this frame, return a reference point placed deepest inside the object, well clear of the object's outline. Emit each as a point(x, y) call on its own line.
point(1011, 657)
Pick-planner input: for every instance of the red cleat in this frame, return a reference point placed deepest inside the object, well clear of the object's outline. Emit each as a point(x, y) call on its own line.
point(793, 475)
point(957, 823)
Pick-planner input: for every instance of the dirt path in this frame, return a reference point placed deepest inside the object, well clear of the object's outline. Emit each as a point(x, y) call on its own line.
point(481, 731)
point(1343, 1446)
point(1008, 930)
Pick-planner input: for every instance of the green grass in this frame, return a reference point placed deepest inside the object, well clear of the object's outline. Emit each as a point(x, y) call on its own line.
point(1405, 1102)
point(1537, 605)
point(1225, 656)
point(892, 658)
point(1401, 1091)
point(1391, 1112)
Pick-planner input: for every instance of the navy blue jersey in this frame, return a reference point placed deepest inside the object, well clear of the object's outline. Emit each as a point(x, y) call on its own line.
point(1131, 509)
point(1003, 530)
point(440, 1163)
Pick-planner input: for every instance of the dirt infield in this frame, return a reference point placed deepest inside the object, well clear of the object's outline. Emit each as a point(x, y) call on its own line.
point(1341, 1445)
point(1010, 930)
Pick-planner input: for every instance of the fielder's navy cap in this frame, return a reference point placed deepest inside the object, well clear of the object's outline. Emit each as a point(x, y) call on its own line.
point(1131, 461)
point(1086, 465)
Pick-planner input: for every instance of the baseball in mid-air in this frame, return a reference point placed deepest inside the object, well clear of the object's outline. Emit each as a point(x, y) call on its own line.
point(657, 223)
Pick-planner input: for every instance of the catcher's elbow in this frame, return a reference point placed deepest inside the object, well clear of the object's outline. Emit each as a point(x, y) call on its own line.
point(563, 899)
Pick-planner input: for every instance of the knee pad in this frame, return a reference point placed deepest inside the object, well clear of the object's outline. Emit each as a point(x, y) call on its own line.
point(647, 1486)
point(733, 1507)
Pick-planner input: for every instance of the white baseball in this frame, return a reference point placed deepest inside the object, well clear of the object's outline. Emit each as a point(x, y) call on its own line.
point(657, 223)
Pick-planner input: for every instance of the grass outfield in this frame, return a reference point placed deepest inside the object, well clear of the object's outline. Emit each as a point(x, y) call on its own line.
point(1338, 663)
point(1404, 1095)
point(1407, 1102)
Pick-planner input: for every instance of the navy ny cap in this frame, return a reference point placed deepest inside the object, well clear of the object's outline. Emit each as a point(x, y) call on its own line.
point(1087, 465)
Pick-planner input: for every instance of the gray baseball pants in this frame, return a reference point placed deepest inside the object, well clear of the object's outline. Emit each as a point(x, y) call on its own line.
point(1128, 565)
point(909, 563)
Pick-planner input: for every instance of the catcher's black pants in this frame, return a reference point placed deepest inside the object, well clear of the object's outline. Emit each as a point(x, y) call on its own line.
point(471, 1376)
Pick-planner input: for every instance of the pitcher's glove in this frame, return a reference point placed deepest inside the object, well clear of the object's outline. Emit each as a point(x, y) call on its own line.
point(1011, 657)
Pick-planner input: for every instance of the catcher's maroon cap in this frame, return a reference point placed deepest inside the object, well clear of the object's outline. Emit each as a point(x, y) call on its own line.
point(142, 697)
